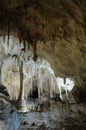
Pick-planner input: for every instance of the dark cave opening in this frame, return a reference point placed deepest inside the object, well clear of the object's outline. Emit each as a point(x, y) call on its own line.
point(33, 94)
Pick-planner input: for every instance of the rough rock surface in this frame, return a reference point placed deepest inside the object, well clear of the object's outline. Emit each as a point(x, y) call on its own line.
point(56, 116)
point(55, 29)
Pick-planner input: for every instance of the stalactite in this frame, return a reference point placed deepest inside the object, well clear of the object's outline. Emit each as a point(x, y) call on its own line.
point(24, 43)
point(39, 84)
point(2, 14)
point(64, 80)
point(8, 32)
point(59, 85)
point(20, 40)
point(4, 38)
point(35, 51)
point(51, 86)
point(67, 87)
point(31, 85)
point(27, 46)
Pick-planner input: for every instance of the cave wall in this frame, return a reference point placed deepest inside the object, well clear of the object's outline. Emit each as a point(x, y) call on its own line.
point(56, 30)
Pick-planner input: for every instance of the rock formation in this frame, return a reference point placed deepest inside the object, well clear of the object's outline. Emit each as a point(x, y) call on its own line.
point(49, 38)
point(55, 29)
point(34, 79)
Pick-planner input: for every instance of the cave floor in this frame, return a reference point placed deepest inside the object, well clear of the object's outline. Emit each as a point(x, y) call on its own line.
point(56, 116)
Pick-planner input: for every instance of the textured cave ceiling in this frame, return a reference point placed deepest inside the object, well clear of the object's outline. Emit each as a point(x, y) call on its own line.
point(57, 29)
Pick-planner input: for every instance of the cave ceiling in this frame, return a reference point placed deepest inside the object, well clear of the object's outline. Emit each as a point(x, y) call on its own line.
point(57, 29)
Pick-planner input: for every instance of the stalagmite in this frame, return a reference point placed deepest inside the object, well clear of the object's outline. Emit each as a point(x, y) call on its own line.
point(21, 94)
point(21, 104)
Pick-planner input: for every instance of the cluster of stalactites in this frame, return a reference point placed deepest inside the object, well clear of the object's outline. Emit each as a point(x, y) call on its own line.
point(37, 74)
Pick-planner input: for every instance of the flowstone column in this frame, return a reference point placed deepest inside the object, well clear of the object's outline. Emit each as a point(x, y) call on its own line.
point(21, 103)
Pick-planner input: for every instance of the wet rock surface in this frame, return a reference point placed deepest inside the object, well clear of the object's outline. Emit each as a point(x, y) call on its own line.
point(56, 116)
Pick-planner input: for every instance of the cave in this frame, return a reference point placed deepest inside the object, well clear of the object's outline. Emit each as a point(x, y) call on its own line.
point(43, 65)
